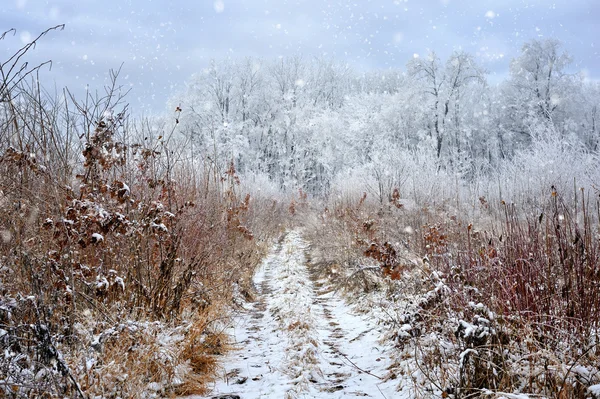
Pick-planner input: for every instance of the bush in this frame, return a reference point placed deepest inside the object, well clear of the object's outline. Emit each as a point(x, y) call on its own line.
point(511, 305)
point(119, 259)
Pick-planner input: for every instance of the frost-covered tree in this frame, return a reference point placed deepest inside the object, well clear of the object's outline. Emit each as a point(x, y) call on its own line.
point(445, 85)
point(315, 124)
point(582, 113)
point(590, 123)
point(539, 87)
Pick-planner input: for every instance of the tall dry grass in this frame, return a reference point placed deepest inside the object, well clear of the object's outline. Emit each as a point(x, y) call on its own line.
point(511, 305)
point(120, 257)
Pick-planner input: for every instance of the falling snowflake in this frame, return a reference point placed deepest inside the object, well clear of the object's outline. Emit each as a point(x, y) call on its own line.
point(219, 6)
point(54, 13)
point(25, 37)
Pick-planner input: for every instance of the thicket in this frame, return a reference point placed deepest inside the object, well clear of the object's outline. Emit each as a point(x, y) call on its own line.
point(121, 254)
point(508, 303)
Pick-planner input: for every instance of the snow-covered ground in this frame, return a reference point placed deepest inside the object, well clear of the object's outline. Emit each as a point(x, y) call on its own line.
point(301, 340)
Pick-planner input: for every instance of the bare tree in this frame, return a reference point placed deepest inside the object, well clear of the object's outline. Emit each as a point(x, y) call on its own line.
point(443, 83)
point(538, 74)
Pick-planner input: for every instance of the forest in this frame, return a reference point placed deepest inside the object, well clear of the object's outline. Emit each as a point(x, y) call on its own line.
point(460, 216)
point(431, 130)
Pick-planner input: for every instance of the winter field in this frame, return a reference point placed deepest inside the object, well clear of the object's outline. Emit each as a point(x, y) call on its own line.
point(293, 228)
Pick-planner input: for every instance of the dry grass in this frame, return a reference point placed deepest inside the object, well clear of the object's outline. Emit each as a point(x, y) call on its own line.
point(119, 258)
point(509, 306)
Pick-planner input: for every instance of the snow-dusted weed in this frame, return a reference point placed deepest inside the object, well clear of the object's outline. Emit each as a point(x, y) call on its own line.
point(493, 312)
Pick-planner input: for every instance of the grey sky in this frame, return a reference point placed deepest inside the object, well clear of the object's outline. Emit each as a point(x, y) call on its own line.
point(162, 42)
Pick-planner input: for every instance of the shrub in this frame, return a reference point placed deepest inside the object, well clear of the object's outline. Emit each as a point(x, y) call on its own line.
point(118, 260)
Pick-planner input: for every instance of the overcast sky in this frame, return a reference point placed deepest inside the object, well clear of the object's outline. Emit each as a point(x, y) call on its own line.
point(161, 43)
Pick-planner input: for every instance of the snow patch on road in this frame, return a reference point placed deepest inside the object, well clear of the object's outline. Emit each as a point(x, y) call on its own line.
point(301, 340)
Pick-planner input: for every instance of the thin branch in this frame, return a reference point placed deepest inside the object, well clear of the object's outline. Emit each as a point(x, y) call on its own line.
point(359, 369)
point(16, 72)
point(13, 30)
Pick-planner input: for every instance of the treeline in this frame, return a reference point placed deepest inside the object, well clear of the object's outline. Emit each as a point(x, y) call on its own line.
point(315, 124)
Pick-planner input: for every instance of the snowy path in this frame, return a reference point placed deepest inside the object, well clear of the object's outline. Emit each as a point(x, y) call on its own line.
point(300, 340)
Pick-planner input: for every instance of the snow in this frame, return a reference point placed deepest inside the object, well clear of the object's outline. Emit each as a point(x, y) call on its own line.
point(127, 190)
point(25, 37)
point(102, 283)
point(490, 14)
point(504, 395)
point(120, 282)
point(594, 389)
point(219, 6)
point(159, 227)
point(301, 339)
point(465, 353)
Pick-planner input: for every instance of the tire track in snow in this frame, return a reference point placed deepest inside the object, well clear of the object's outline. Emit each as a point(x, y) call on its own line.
point(300, 340)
